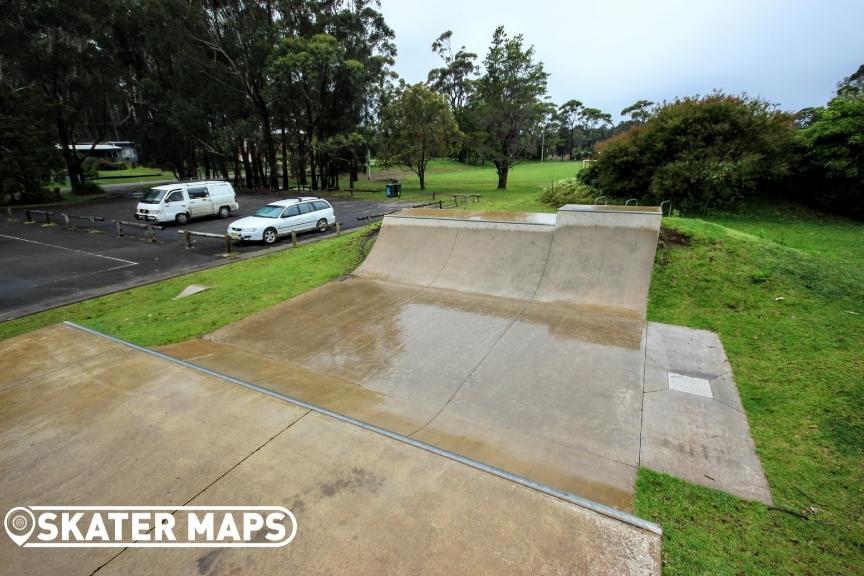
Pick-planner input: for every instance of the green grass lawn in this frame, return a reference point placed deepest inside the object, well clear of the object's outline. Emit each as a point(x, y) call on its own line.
point(782, 285)
point(446, 177)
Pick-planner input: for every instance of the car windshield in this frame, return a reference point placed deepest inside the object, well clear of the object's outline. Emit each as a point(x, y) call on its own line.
point(269, 211)
point(153, 196)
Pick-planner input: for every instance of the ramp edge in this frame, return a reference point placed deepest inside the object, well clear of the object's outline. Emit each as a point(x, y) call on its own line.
point(585, 503)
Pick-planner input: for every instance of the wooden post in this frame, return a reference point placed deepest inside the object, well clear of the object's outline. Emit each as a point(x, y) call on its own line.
point(227, 244)
point(338, 228)
point(188, 236)
point(9, 213)
point(151, 235)
point(119, 228)
point(27, 216)
point(440, 204)
point(294, 238)
point(92, 222)
point(433, 195)
point(47, 217)
point(66, 218)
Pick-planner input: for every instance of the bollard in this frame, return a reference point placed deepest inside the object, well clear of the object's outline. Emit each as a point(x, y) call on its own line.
point(188, 239)
point(227, 244)
point(28, 217)
point(92, 223)
point(338, 228)
point(294, 238)
point(440, 204)
point(9, 213)
point(119, 228)
point(433, 195)
point(66, 218)
point(47, 217)
point(151, 235)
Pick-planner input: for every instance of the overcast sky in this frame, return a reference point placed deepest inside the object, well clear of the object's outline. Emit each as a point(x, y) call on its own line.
point(610, 53)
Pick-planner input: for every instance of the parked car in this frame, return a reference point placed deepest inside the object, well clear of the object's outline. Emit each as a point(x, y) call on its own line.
point(185, 200)
point(283, 217)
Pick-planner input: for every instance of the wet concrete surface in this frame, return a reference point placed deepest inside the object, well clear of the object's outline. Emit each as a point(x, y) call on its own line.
point(442, 337)
point(100, 423)
point(41, 267)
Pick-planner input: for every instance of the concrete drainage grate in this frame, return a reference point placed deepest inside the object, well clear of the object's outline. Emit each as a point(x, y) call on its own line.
point(690, 385)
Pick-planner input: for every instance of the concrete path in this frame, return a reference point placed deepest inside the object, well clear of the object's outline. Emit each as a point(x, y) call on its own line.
point(89, 421)
point(694, 426)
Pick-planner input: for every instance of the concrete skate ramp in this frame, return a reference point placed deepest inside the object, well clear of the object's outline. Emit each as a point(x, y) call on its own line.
point(468, 330)
point(584, 255)
point(117, 425)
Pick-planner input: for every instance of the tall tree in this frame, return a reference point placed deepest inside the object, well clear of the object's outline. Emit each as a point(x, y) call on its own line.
point(66, 50)
point(416, 128)
point(568, 116)
point(639, 111)
point(455, 80)
point(508, 101)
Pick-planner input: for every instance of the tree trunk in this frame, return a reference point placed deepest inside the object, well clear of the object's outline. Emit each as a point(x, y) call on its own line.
point(285, 182)
point(422, 174)
point(247, 166)
point(502, 176)
point(73, 163)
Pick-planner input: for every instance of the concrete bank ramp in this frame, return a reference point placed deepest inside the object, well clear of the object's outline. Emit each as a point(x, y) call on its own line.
point(98, 422)
point(514, 339)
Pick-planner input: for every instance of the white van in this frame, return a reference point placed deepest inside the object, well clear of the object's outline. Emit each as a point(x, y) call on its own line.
point(184, 200)
point(283, 217)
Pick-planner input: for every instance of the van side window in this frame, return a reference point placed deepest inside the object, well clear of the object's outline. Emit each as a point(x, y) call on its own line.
point(175, 196)
point(290, 211)
point(305, 208)
point(320, 205)
point(197, 193)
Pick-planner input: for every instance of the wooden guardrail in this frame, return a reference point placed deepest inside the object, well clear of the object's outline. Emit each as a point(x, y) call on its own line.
point(148, 228)
point(188, 234)
point(92, 219)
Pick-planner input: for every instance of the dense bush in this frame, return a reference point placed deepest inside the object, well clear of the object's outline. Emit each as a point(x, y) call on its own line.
point(700, 153)
point(569, 191)
point(835, 151)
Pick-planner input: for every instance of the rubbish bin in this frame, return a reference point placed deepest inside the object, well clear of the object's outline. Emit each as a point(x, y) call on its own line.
point(393, 189)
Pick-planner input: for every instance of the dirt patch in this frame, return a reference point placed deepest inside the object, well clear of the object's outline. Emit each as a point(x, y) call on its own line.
point(670, 238)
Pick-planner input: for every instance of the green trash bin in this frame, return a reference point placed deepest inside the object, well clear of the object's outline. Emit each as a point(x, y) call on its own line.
point(393, 189)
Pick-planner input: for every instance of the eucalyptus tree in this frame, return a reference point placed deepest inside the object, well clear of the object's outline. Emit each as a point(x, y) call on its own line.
point(508, 102)
point(417, 127)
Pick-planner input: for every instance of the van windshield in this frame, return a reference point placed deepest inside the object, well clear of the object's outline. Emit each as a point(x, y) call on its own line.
point(153, 196)
point(269, 211)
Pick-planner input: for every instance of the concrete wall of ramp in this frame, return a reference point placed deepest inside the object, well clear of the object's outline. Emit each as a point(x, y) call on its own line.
point(584, 255)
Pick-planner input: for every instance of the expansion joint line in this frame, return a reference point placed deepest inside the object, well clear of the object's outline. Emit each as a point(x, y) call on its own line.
point(208, 486)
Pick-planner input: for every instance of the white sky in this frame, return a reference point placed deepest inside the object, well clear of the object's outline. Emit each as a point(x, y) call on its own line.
point(608, 54)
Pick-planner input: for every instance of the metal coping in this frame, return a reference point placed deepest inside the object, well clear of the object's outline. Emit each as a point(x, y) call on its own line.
point(613, 209)
point(608, 511)
point(406, 214)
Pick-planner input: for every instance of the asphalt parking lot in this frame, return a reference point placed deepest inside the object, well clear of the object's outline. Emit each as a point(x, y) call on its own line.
point(46, 266)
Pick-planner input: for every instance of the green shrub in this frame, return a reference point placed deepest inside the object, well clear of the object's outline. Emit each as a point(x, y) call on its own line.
point(89, 188)
point(114, 166)
point(568, 191)
point(835, 150)
point(700, 153)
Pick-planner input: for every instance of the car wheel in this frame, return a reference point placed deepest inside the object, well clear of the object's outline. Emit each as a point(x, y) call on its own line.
point(269, 236)
point(224, 212)
point(182, 218)
point(322, 225)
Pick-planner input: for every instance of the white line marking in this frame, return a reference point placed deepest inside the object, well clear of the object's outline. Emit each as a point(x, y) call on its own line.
point(126, 262)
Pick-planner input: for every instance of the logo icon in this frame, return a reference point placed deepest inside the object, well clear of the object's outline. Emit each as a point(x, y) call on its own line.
point(19, 523)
